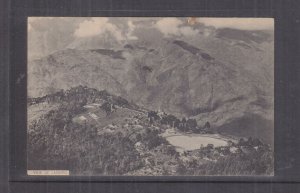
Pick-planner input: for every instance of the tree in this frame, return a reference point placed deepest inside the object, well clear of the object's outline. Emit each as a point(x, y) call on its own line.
point(207, 125)
point(108, 108)
point(153, 114)
point(242, 142)
point(169, 120)
point(191, 124)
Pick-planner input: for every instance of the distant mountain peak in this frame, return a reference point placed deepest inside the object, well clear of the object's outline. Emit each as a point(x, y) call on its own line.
point(246, 36)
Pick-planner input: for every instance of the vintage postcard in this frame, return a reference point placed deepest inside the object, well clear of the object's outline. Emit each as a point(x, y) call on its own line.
point(155, 96)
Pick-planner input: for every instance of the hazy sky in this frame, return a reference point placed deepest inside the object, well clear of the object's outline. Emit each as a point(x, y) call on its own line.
point(48, 34)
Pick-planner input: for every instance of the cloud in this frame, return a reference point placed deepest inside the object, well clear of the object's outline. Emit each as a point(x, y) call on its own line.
point(188, 31)
point(49, 34)
point(98, 26)
point(239, 23)
point(169, 26)
point(31, 21)
point(92, 27)
point(175, 26)
point(131, 28)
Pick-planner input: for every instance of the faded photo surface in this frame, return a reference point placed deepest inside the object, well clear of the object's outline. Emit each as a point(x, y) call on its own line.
point(149, 96)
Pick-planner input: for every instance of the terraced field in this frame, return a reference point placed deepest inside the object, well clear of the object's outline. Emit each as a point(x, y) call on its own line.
point(94, 115)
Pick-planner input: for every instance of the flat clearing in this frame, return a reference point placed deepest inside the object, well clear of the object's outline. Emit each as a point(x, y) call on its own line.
point(98, 117)
point(187, 142)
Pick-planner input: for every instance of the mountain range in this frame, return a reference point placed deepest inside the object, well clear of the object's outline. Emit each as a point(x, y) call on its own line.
point(225, 78)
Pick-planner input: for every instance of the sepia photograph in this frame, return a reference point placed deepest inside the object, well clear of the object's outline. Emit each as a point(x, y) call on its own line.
point(150, 96)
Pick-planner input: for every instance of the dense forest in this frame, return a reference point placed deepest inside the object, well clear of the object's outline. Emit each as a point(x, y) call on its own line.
point(133, 146)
